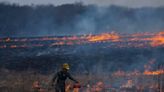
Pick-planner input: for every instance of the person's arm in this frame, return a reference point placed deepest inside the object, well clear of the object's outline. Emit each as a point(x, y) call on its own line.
point(54, 78)
point(70, 77)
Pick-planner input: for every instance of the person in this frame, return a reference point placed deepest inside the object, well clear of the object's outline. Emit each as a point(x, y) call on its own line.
point(60, 77)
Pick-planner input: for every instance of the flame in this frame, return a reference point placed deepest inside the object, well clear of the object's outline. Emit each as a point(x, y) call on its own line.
point(104, 37)
point(148, 69)
point(137, 40)
point(76, 90)
point(158, 39)
point(68, 87)
point(120, 73)
point(157, 72)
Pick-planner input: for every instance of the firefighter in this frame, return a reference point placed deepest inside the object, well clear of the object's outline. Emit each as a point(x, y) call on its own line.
point(60, 77)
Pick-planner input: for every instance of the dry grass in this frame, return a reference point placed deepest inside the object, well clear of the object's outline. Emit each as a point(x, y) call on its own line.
point(11, 81)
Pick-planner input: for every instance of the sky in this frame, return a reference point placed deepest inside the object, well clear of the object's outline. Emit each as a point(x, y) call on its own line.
point(127, 3)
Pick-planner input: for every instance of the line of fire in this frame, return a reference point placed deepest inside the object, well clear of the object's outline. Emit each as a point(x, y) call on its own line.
point(111, 39)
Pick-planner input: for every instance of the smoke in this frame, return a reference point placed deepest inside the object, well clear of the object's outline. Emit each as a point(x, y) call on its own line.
point(121, 20)
point(77, 19)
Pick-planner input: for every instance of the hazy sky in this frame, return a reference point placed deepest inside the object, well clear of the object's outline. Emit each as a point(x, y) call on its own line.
point(129, 3)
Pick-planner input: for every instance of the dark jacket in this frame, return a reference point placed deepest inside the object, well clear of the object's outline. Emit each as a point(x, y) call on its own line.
point(61, 76)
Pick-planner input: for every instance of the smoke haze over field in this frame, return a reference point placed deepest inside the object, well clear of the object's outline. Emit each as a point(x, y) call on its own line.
point(77, 19)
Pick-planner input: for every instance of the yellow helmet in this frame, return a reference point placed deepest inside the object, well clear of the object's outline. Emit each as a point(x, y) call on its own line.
point(66, 66)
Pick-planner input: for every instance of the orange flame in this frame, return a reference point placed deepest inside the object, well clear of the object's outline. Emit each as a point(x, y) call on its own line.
point(138, 40)
point(148, 69)
point(158, 39)
point(157, 72)
point(104, 37)
point(67, 88)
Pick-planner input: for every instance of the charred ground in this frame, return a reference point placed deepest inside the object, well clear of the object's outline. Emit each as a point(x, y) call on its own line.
point(82, 58)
